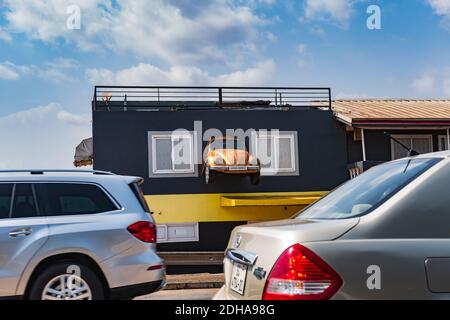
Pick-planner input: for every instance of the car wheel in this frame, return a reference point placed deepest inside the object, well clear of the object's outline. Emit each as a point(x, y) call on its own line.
point(255, 178)
point(67, 281)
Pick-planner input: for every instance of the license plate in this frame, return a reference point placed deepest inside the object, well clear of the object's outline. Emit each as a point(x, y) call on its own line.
point(238, 278)
point(238, 168)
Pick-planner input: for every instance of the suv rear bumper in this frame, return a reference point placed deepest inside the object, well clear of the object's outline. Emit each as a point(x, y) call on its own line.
point(136, 290)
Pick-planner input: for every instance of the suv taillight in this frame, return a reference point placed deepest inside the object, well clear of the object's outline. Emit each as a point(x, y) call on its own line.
point(144, 231)
point(299, 274)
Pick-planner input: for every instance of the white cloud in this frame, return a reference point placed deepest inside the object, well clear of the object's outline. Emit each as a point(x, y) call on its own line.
point(441, 8)
point(8, 72)
point(424, 84)
point(301, 48)
point(147, 74)
point(41, 137)
point(338, 10)
point(4, 35)
point(72, 118)
point(261, 74)
point(57, 71)
point(174, 31)
point(271, 37)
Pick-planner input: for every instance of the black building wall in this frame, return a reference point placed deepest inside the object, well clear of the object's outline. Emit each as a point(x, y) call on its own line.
point(378, 145)
point(121, 146)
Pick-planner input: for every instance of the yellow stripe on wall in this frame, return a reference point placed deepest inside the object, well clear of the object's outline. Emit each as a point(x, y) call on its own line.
point(229, 207)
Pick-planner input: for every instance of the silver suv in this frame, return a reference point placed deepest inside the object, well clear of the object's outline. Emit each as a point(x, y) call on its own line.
point(76, 235)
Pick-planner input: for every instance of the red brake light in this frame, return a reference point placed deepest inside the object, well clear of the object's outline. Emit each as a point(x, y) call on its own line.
point(299, 274)
point(144, 231)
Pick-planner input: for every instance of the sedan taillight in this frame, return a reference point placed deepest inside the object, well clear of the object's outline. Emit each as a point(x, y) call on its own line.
point(144, 231)
point(299, 274)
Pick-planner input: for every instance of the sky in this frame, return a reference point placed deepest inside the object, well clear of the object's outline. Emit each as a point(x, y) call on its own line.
point(53, 52)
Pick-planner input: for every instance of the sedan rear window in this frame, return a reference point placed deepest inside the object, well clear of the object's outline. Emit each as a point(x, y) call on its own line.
point(369, 190)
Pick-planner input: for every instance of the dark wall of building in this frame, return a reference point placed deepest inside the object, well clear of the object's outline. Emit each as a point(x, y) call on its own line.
point(378, 145)
point(212, 238)
point(121, 146)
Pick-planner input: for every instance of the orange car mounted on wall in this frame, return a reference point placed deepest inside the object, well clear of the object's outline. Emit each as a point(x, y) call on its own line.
point(230, 155)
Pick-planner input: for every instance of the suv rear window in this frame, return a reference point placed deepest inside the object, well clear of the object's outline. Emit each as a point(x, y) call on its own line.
point(61, 199)
point(136, 188)
point(369, 190)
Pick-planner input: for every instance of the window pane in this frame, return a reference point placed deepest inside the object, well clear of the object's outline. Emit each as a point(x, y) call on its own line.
point(5, 200)
point(182, 153)
point(285, 147)
point(24, 205)
point(422, 145)
point(265, 152)
point(73, 199)
point(398, 150)
point(443, 143)
point(137, 190)
point(163, 149)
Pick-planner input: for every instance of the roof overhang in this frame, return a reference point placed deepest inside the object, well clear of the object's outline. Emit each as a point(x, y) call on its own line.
point(395, 123)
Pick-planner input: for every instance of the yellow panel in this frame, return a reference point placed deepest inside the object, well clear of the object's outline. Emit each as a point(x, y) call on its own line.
point(267, 201)
point(208, 207)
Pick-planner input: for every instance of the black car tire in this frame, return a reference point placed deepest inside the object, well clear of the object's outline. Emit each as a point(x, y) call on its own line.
point(61, 268)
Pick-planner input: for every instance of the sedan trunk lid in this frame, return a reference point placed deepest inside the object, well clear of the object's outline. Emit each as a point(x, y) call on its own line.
point(258, 246)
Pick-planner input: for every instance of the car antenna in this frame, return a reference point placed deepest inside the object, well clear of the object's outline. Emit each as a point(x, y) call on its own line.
point(411, 151)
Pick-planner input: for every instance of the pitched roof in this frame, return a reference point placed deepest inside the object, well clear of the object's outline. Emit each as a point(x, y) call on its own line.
point(393, 112)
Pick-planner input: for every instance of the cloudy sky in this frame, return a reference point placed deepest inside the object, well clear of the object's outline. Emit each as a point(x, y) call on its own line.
point(47, 70)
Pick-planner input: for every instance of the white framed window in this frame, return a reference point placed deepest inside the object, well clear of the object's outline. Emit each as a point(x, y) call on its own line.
point(422, 143)
point(277, 152)
point(172, 154)
point(443, 142)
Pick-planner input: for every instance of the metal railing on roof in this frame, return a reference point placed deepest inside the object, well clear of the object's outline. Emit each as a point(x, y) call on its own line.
point(123, 98)
point(43, 171)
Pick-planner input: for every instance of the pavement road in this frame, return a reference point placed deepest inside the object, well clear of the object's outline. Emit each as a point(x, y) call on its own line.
point(186, 294)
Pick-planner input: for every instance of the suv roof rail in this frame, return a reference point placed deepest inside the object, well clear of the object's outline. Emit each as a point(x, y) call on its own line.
point(42, 171)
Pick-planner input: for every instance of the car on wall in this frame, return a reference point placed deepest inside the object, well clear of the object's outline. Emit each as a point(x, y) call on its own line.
point(230, 155)
point(382, 235)
point(76, 235)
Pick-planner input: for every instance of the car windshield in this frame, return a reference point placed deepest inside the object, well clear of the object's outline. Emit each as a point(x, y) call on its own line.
point(367, 191)
point(228, 143)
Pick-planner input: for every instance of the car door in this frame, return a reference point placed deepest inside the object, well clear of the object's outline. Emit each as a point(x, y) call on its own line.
point(22, 232)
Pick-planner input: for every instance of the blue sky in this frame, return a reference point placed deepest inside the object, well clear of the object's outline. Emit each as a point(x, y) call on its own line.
point(47, 71)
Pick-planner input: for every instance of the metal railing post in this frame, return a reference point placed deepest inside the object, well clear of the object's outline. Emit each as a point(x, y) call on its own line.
point(329, 98)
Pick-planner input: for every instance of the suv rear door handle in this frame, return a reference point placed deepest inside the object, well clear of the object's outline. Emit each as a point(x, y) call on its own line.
point(20, 232)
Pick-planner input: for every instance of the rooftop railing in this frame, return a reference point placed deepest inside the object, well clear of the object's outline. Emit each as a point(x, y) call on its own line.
point(124, 98)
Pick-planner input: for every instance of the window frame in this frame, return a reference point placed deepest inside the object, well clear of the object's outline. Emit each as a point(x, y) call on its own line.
point(409, 136)
point(275, 146)
point(154, 172)
point(442, 136)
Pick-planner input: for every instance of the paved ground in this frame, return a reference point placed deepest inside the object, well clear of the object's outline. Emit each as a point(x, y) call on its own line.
point(186, 294)
point(194, 281)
